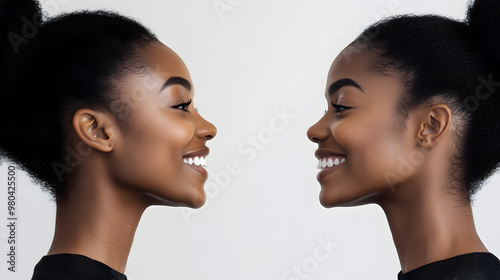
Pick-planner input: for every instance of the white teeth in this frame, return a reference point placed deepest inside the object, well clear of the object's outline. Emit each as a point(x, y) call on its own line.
point(329, 162)
point(198, 161)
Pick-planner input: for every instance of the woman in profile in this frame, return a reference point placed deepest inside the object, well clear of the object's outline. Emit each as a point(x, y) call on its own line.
point(413, 126)
point(100, 113)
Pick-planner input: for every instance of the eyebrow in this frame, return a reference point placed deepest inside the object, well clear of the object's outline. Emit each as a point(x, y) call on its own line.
point(177, 81)
point(342, 83)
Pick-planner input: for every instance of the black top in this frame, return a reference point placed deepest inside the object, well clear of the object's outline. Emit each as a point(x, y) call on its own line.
point(74, 267)
point(473, 266)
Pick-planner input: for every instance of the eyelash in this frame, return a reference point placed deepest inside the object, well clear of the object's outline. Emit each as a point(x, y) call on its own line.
point(339, 108)
point(183, 106)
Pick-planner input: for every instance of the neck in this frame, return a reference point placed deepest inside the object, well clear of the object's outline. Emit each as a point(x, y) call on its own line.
point(99, 220)
point(428, 224)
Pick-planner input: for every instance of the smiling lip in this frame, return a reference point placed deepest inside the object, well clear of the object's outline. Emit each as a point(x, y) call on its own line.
point(326, 153)
point(203, 152)
point(321, 153)
point(324, 172)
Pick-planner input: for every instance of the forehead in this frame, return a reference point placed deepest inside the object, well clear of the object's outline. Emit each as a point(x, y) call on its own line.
point(351, 63)
point(356, 64)
point(165, 63)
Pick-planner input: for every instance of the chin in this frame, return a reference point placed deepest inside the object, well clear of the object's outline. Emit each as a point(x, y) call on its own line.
point(195, 197)
point(192, 199)
point(329, 199)
point(199, 200)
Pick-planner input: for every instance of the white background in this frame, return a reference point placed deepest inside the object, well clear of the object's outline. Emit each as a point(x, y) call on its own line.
point(246, 64)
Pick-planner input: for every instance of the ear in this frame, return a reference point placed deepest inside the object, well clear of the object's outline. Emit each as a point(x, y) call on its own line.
point(96, 129)
point(434, 125)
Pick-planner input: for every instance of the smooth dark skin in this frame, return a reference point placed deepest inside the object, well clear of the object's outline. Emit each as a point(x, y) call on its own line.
point(428, 222)
point(128, 171)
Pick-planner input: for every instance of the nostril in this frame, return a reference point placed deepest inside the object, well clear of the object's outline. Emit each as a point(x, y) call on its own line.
point(316, 133)
point(206, 132)
point(315, 139)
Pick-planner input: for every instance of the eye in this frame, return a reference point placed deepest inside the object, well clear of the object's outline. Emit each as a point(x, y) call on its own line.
point(183, 106)
point(339, 108)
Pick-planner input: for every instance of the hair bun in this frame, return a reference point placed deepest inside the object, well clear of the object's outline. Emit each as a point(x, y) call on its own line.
point(19, 21)
point(483, 18)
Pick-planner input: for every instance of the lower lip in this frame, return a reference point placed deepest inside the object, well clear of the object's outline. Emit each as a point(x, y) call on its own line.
point(324, 172)
point(200, 169)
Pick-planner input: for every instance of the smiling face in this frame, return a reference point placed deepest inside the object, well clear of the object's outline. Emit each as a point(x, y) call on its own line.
point(359, 138)
point(162, 151)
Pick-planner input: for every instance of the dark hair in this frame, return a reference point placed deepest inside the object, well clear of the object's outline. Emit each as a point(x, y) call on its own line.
point(49, 70)
point(458, 62)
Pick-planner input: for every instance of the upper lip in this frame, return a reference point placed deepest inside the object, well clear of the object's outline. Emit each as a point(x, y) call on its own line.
point(202, 152)
point(321, 152)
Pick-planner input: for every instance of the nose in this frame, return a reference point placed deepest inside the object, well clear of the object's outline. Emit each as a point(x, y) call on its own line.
point(206, 130)
point(317, 132)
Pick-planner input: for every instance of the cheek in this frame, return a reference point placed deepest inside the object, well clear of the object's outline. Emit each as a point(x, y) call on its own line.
point(373, 146)
point(155, 140)
point(175, 136)
point(152, 150)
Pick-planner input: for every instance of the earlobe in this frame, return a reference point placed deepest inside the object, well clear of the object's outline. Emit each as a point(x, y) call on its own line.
point(94, 128)
point(434, 126)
